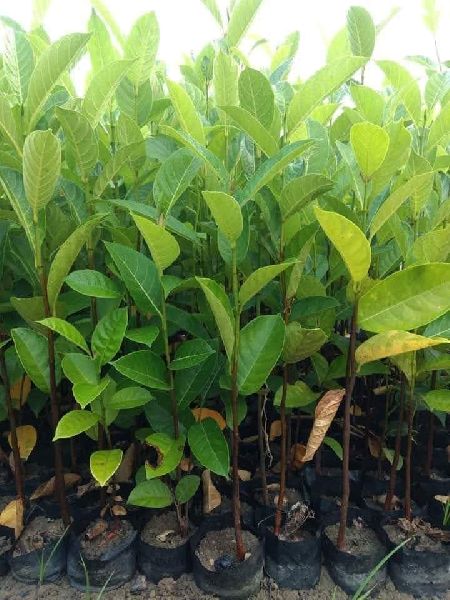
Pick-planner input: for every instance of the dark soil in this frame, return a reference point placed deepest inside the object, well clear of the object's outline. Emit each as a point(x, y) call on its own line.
point(163, 531)
point(110, 534)
point(39, 532)
point(291, 496)
point(5, 500)
point(359, 539)
point(216, 544)
point(421, 540)
point(5, 544)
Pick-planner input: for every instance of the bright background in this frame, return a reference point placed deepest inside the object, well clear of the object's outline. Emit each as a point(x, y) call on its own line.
point(186, 26)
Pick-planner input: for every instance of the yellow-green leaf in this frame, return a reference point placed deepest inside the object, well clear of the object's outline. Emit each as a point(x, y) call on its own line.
point(163, 246)
point(227, 214)
point(391, 343)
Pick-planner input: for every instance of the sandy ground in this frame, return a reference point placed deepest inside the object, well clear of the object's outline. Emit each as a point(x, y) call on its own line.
point(184, 589)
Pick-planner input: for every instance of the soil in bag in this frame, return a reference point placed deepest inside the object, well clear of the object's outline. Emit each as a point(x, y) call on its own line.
point(40, 552)
point(162, 551)
point(6, 543)
point(108, 551)
point(217, 570)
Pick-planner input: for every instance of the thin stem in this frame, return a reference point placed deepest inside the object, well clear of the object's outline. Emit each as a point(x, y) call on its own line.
point(398, 440)
point(410, 417)
point(430, 440)
point(349, 385)
point(262, 453)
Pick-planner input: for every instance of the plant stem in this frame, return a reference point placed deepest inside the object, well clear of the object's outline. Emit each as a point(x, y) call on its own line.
point(430, 440)
point(262, 454)
point(240, 550)
point(282, 491)
point(410, 417)
point(349, 385)
point(398, 439)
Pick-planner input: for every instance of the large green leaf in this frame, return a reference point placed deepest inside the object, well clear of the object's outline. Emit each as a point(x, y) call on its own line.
point(252, 127)
point(391, 343)
point(440, 128)
point(151, 494)
point(145, 335)
point(142, 46)
point(300, 343)
point(86, 393)
point(65, 257)
point(297, 194)
point(241, 16)
point(259, 279)
point(41, 168)
point(209, 446)
point(102, 88)
point(319, 86)
point(93, 283)
point(139, 275)
point(186, 113)
point(108, 335)
point(104, 463)
point(32, 350)
point(438, 400)
point(225, 80)
point(122, 157)
point(163, 246)
point(349, 241)
point(12, 183)
point(407, 91)
point(81, 143)
point(439, 327)
point(227, 214)
point(191, 353)
point(194, 383)
point(129, 397)
point(370, 145)
point(173, 177)
point(433, 246)
point(271, 167)
point(50, 67)
point(75, 422)
point(67, 330)
point(18, 62)
point(297, 395)
point(260, 346)
point(221, 309)
point(407, 299)
point(186, 488)
point(8, 126)
point(100, 46)
point(144, 367)
point(256, 96)
point(170, 452)
point(361, 31)
point(79, 368)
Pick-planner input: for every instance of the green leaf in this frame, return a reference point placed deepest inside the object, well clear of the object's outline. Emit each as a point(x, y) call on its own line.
point(81, 143)
point(79, 368)
point(143, 335)
point(195, 382)
point(433, 246)
point(187, 488)
point(18, 62)
point(75, 422)
point(349, 241)
point(15, 192)
point(129, 397)
point(209, 446)
point(297, 194)
point(256, 96)
point(370, 145)
point(221, 309)
point(186, 112)
point(67, 330)
point(122, 157)
point(151, 494)
point(211, 5)
point(259, 279)
point(225, 80)
point(319, 86)
point(102, 88)
point(361, 31)
point(241, 16)
point(227, 214)
point(41, 168)
point(65, 257)
point(260, 346)
point(163, 246)
point(144, 367)
point(32, 350)
point(253, 128)
point(85, 393)
point(335, 446)
point(104, 463)
point(271, 167)
point(108, 335)
point(170, 452)
point(297, 395)
point(416, 185)
point(301, 343)
point(406, 299)
point(173, 178)
point(142, 46)
point(101, 49)
point(191, 353)
point(93, 283)
point(406, 88)
point(438, 400)
point(440, 327)
point(8, 126)
point(440, 128)
point(391, 343)
point(139, 275)
point(50, 67)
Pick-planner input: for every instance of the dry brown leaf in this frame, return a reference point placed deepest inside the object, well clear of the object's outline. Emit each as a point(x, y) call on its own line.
point(20, 390)
point(250, 439)
point(324, 414)
point(297, 455)
point(186, 464)
point(211, 495)
point(126, 468)
point(48, 487)
point(12, 516)
point(118, 510)
point(207, 413)
point(275, 430)
point(244, 475)
point(26, 439)
point(374, 446)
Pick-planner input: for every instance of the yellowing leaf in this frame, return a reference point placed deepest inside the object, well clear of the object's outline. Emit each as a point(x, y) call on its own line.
point(325, 412)
point(20, 389)
point(12, 516)
point(26, 438)
point(205, 413)
point(162, 245)
point(48, 487)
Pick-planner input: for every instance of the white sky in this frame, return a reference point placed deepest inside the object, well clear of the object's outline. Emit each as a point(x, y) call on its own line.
point(186, 26)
